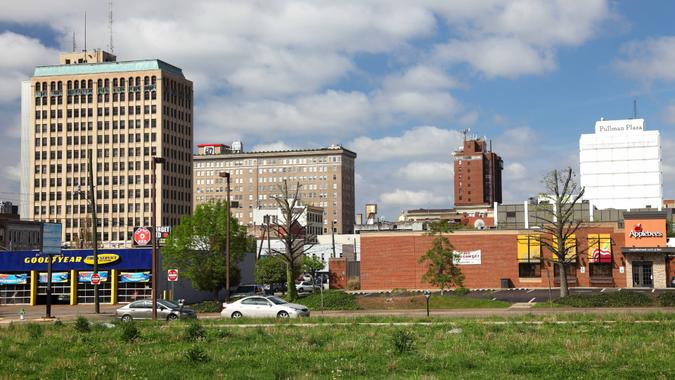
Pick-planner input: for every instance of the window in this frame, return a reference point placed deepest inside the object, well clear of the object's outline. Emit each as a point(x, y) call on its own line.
point(529, 256)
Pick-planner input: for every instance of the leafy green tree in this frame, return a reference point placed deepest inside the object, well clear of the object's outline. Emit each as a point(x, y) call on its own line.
point(270, 270)
point(312, 265)
point(441, 270)
point(196, 247)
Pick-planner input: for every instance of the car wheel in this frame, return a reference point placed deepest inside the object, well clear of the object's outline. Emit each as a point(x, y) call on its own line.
point(236, 315)
point(126, 318)
point(171, 317)
point(282, 314)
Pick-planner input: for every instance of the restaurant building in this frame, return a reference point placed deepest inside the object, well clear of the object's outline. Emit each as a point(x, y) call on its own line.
point(607, 255)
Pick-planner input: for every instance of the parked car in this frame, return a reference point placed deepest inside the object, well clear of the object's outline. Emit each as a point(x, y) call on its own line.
point(166, 309)
point(271, 289)
point(304, 287)
point(263, 306)
point(247, 290)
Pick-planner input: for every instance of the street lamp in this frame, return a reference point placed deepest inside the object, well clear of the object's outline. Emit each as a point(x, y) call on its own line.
point(332, 233)
point(226, 175)
point(155, 161)
point(427, 295)
point(92, 204)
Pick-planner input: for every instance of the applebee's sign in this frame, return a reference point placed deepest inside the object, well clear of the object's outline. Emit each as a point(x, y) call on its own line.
point(638, 233)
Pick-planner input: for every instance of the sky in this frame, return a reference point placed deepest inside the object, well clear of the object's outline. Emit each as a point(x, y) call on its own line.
point(394, 81)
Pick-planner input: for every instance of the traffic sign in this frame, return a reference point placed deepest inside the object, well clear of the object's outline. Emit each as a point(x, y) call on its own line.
point(95, 279)
point(142, 236)
point(172, 275)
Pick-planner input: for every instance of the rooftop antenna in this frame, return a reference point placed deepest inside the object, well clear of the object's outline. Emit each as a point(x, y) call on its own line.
point(74, 44)
point(85, 31)
point(110, 25)
point(465, 132)
point(634, 108)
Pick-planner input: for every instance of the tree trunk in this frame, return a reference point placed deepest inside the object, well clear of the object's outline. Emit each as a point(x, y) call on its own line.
point(290, 282)
point(564, 290)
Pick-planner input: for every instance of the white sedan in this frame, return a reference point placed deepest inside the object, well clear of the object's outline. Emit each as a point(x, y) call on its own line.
point(263, 306)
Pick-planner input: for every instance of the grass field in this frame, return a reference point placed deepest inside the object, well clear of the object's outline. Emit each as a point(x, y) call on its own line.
point(586, 347)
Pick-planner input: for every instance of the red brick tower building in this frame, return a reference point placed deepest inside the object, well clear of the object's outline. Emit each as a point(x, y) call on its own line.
point(478, 174)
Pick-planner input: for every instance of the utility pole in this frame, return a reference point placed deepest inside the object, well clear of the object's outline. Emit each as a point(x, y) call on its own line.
point(226, 175)
point(155, 161)
point(92, 199)
point(332, 232)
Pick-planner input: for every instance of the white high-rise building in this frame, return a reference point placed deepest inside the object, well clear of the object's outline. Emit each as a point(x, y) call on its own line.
point(620, 165)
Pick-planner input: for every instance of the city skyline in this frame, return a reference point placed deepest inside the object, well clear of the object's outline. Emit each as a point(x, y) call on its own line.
point(532, 77)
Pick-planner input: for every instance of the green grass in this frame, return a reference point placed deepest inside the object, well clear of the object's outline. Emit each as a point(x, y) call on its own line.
point(591, 348)
point(615, 299)
point(461, 302)
point(332, 300)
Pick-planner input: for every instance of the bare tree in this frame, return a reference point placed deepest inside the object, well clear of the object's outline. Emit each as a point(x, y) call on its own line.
point(559, 223)
point(293, 235)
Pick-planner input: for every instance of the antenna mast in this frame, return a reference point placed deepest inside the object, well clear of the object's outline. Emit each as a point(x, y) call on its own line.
point(110, 25)
point(74, 44)
point(465, 132)
point(634, 108)
point(85, 31)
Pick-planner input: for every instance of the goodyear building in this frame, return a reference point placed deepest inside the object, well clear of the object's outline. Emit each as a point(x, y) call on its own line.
point(125, 276)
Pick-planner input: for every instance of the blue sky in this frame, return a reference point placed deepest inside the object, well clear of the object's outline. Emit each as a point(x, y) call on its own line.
point(393, 80)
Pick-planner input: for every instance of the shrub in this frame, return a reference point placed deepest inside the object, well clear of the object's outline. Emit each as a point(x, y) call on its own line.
point(667, 298)
point(461, 291)
point(130, 332)
point(208, 307)
point(35, 330)
point(399, 291)
point(354, 283)
point(196, 354)
point(332, 300)
point(82, 325)
point(615, 299)
point(403, 341)
point(58, 323)
point(195, 332)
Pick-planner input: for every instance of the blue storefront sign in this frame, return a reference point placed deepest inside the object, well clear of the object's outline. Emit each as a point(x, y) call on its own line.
point(135, 277)
point(77, 259)
point(85, 277)
point(13, 279)
point(57, 277)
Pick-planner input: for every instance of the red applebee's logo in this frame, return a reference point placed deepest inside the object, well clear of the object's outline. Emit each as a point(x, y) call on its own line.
point(639, 233)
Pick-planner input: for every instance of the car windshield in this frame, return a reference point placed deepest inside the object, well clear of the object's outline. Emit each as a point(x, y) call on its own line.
point(169, 304)
point(277, 300)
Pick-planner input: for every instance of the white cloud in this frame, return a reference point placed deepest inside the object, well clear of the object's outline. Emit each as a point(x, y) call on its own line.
point(470, 118)
point(20, 56)
point(418, 142)
point(498, 56)
point(428, 171)
point(668, 113)
point(515, 171)
point(271, 147)
point(420, 77)
point(408, 198)
point(648, 60)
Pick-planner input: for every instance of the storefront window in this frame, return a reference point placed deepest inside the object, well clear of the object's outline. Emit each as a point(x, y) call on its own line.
point(600, 270)
point(600, 248)
point(529, 256)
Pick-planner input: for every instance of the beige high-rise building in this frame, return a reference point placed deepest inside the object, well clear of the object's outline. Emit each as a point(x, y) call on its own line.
point(123, 114)
point(326, 177)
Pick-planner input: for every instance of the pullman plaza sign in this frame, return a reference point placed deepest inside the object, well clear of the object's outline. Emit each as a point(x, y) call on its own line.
point(620, 126)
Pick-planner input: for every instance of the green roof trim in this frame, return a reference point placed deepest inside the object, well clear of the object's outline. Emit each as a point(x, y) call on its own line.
point(106, 67)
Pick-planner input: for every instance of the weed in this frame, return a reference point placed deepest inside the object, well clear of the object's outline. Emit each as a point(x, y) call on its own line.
point(35, 330)
point(130, 332)
point(196, 354)
point(461, 291)
point(82, 325)
point(208, 307)
point(403, 341)
point(58, 323)
point(195, 332)
point(354, 283)
point(667, 298)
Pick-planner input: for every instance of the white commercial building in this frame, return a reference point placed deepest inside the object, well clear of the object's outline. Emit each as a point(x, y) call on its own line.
point(620, 165)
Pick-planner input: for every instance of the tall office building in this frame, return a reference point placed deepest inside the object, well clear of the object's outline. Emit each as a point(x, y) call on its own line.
point(326, 177)
point(478, 174)
point(122, 114)
point(620, 165)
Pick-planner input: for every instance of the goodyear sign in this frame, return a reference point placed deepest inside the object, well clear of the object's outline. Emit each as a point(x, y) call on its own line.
point(77, 259)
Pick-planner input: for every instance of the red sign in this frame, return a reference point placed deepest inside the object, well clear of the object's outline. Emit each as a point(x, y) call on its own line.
point(142, 236)
point(172, 274)
point(95, 279)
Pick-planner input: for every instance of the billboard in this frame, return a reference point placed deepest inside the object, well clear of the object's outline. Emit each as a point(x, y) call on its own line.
point(51, 238)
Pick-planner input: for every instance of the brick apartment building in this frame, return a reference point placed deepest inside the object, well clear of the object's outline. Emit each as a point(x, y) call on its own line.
point(478, 174)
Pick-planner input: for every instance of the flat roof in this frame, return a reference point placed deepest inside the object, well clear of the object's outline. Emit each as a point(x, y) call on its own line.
point(272, 153)
point(106, 67)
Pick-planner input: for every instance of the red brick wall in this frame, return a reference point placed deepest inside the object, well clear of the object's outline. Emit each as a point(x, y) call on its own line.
point(390, 260)
point(338, 273)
